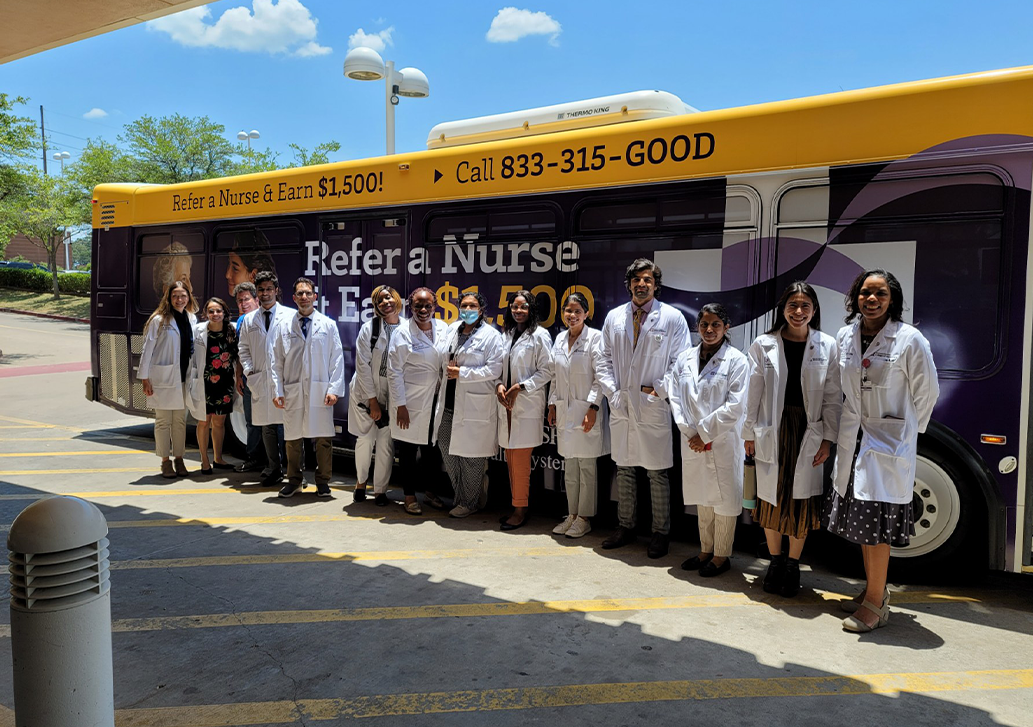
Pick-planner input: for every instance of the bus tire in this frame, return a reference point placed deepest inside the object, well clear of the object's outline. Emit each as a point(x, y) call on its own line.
point(236, 434)
point(950, 514)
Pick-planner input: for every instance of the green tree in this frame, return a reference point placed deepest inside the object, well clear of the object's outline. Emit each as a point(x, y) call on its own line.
point(101, 162)
point(319, 155)
point(18, 141)
point(41, 211)
point(177, 148)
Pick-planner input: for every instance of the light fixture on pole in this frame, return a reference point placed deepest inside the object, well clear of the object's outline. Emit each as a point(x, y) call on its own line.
point(365, 64)
point(248, 136)
point(60, 156)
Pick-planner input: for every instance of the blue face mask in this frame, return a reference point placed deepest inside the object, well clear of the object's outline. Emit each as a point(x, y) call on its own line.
point(469, 317)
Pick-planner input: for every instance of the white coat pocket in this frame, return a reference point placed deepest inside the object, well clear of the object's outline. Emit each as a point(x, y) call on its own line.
point(163, 377)
point(765, 449)
point(811, 441)
point(575, 415)
point(293, 396)
point(653, 410)
point(258, 383)
point(479, 407)
point(886, 436)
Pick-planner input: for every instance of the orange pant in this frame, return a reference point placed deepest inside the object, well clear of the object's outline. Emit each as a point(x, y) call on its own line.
point(518, 461)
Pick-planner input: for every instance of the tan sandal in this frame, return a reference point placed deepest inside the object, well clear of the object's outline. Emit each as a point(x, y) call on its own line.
point(852, 604)
point(857, 626)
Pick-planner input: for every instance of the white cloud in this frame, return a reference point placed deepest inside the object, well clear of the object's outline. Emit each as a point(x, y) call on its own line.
point(95, 113)
point(511, 24)
point(286, 26)
point(376, 41)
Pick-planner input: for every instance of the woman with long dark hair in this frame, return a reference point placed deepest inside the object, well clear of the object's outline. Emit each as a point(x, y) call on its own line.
point(889, 379)
point(526, 369)
point(164, 361)
point(707, 390)
point(792, 417)
point(578, 410)
point(212, 381)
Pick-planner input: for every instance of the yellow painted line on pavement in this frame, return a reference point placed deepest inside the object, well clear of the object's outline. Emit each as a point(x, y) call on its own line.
point(87, 471)
point(571, 695)
point(1027, 569)
point(34, 424)
point(45, 331)
point(89, 452)
point(26, 426)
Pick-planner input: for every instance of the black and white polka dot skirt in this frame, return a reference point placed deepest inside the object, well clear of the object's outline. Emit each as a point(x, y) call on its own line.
point(868, 522)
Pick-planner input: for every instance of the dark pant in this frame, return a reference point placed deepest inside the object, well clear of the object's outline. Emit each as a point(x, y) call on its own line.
point(254, 434)
point(428, 472)
point(275, 448)
point(324, 449)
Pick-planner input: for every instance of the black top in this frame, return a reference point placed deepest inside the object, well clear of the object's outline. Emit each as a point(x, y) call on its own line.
point(186, 346)
point(450, 388)
point(794, 365)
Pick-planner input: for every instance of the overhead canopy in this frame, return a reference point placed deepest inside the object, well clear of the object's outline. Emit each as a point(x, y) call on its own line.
point(33, 26)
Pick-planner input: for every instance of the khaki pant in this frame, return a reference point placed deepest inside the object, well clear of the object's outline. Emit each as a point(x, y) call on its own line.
point(170, 432)
point(716, 532)
point(324, 459)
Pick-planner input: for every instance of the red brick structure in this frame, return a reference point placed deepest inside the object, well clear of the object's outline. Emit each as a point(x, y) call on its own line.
point(20, 245)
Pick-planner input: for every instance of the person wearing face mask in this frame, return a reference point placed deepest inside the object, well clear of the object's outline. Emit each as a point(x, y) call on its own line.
point(164, 361)
point(641, 342)
point(792, 417)
point(368, 395)
point(889, 379)
point(707, 391)
point(578, 411)
point(211, 381)
point(419, 353)
point(468, 434)
point(246, 295)
point(256, 361)
point(526, 369)
point(308, 379)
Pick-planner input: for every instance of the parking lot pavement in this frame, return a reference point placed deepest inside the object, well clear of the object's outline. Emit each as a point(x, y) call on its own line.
point(231, 606)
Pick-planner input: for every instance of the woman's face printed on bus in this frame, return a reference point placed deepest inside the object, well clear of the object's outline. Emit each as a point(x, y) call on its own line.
point(179, 299)
point(799, 311)
point(519, 309)
point(873, 300)
point(423, 306)
point(237, 272)
point(574, 314)
point(215, 313)
point(712, 329)
point(386, 304)
point(643, 286)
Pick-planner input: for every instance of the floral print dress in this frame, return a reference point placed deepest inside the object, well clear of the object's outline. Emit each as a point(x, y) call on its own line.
point(218, 373)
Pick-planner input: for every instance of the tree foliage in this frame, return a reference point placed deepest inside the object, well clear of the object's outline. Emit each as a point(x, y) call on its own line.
point(41, 211)
point(177, 148)
point(18, 141)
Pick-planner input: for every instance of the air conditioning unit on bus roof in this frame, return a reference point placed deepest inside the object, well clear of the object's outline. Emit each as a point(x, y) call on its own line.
point(617, 109)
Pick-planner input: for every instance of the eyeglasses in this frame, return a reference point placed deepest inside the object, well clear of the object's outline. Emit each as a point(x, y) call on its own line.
point(303, 294)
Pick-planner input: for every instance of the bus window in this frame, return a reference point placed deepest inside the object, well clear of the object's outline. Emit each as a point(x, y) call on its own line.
point(527, 223)
point(164, 259)
point(641, 215)
point(258, 238)
point(457, 227)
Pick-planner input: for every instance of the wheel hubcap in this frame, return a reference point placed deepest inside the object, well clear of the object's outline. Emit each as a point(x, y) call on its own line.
point(936, 506)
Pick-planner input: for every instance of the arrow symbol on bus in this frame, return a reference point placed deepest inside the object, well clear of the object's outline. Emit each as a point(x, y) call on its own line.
point(437, 175)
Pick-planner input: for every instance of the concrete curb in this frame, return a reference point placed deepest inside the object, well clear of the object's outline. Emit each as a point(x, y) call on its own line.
point(45, 315)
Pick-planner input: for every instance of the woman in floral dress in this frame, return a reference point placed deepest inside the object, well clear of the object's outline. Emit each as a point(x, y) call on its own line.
point(212, 382)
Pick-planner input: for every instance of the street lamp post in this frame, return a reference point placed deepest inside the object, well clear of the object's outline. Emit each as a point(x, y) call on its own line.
point(365, 64)
point(60, 156)
point(248, 136)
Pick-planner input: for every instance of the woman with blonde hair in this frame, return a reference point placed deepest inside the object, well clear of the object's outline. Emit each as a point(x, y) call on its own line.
point(212, 381)
point(167, 349)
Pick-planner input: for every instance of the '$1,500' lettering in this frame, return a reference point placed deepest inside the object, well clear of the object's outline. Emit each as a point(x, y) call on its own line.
point(351, 184)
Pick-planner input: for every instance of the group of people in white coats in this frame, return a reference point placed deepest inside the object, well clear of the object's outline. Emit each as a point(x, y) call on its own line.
point(291, 359)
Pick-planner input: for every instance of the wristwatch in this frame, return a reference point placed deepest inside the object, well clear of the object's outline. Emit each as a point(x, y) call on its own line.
point(593, 407)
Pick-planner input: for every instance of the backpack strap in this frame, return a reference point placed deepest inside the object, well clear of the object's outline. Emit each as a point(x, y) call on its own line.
point(375, 336)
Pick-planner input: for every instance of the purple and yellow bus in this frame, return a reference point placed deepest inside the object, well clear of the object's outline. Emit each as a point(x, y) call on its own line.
point(929, 179)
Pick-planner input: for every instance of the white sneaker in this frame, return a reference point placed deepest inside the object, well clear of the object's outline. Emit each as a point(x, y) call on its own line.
point(460, 511)
point(578, 528)
point(564, 526)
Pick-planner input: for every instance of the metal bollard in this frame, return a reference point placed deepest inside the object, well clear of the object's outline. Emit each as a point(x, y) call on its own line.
point(61, 615)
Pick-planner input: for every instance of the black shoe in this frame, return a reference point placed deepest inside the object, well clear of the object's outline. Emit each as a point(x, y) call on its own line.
point(694, 563)
point(621, 536)
point(204, 471)
point(249, 466)
point(290, 488)
point(272, 480)
point(658, 546)
point(709, 570)
point(381, 500)
point(223, 466)
point(359, 495)
point(775, 575)
point(791, 581)
point(322, 489)
point(509, 526)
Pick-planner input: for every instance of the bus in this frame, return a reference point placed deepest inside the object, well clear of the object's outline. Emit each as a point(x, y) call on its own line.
point(929, 179)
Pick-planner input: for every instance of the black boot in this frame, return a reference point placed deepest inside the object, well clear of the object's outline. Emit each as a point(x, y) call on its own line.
point(776, 574)
point(791, 581)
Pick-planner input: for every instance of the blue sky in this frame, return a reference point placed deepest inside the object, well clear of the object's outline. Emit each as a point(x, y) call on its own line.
point(276, 65)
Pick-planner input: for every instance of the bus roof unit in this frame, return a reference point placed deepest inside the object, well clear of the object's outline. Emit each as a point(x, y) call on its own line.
point(602, 111)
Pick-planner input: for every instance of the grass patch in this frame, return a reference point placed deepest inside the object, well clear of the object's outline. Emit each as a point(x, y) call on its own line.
point(74, 306)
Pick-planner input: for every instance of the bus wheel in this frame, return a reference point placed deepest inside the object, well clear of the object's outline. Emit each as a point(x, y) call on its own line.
point(947, 512)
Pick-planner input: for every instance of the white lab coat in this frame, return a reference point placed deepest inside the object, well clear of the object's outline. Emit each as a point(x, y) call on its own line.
point(712, 404)
point(475, 418)
point(527, 361)
point(256, 359)
point(304, 371)
point(640, 423)
point(822, 398)
point(891, 415)
point(366, 383)
point(575, 387)
point(414, 368)
point(159, 362)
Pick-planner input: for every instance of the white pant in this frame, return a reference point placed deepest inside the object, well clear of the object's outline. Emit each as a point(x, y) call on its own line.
point(170, 428)
point(385, 447)
point(716, 532)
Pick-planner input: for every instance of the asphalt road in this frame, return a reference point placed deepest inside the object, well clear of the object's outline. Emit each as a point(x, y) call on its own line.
point(233, 607)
